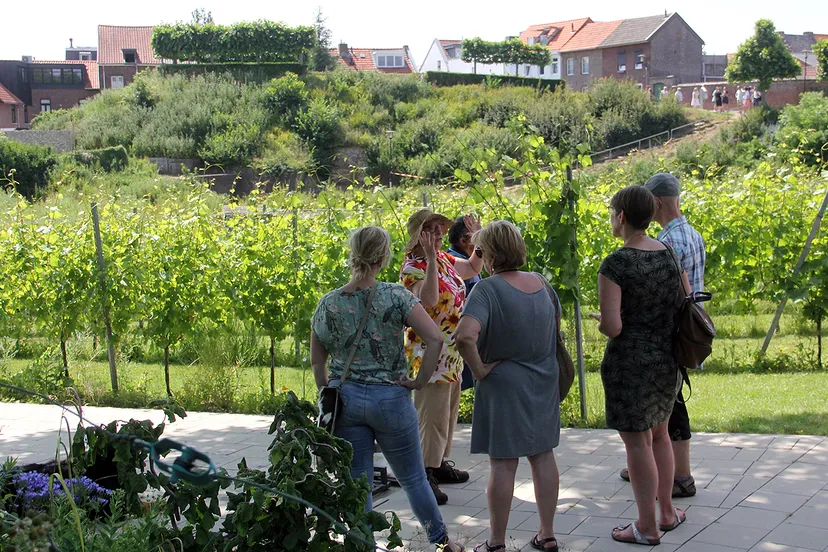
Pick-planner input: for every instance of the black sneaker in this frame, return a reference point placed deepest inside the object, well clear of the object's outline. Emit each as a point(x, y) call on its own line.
point(448, 474)
point(684, 489)
point(439, 495)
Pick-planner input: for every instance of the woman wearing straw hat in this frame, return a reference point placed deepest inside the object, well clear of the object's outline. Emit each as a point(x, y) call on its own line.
point(436, 278)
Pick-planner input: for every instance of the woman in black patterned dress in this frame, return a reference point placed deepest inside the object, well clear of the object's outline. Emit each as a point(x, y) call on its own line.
point(638, 294)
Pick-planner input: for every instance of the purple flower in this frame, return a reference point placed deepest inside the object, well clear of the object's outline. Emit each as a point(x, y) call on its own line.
point(32, 490)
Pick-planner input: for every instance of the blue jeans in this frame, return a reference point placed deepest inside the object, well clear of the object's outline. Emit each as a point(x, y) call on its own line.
point(386, 413)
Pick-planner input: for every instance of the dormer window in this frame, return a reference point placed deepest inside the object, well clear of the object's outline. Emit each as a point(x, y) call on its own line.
point(390, 61)
point(85, 56)
point(130, 55)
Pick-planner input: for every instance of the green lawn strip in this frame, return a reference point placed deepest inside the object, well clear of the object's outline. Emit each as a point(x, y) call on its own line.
point(791, 403)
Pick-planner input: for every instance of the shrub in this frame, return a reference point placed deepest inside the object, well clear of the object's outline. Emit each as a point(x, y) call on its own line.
point(803, 128)
point(109, 159)
point(285, 97)
point(31, 166)
point(440, 78)
point(562, 118)
point(319, 127)
point(242, 72)
point(233, 145)
point(283, 152)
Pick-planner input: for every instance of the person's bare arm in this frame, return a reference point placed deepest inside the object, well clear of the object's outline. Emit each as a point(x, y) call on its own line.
point(470, 268)
point(422, 324)
point(466, 338)
point(609, 298)
point(319, 361)
point(428, 290)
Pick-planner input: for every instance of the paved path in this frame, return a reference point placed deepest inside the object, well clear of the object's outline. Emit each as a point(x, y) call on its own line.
point(763, 493)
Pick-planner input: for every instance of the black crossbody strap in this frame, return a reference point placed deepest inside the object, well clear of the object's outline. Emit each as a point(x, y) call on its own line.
point(346, 371)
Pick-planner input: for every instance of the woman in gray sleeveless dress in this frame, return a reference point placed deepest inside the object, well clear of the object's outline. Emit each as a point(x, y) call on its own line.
point(507, 337)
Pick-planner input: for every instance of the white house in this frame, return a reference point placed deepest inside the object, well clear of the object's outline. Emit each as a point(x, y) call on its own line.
point(444, 55)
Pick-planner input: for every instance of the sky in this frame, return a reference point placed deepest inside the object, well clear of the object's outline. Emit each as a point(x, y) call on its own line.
point(44, 32)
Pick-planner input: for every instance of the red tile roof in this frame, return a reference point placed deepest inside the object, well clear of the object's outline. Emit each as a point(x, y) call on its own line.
point(362, 59)
point(112, 40)
point(92, 80)
point(6, 97)
point(566, 30)
point(591, 36)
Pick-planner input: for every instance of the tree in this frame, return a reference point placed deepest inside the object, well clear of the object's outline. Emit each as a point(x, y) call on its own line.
point(821, 51)
point(202, 16)
point(320, 55)
point(762, 57)
point(512, 51)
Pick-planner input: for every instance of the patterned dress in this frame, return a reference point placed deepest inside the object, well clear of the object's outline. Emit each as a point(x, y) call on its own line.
point(639, 372)
point(446, 313)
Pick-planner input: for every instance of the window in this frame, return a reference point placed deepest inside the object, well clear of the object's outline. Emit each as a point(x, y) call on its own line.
point(570, 66)
point(77, 76)
point(22, 76)
point(117, 82)
point(129, 56)
point(14, 114)
point(554, 65)
point(541, 69)
point(639, 60)
point(45, 106)
point(585, 65)
point(85, 56)
point(526, 70)
point(37, 76)
point(388, 62)
point(55, 76)
point(439, 65)
point(622, 62)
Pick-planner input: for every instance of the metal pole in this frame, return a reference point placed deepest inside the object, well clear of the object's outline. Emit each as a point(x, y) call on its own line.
point(113, 373)
point(797, 268)
point(579, 331)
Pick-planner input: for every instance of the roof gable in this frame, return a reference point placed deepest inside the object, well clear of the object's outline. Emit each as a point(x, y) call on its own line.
point(559, 32)
point(6, 97)
point(112, 41)
point(362, 59)
point(634, 31)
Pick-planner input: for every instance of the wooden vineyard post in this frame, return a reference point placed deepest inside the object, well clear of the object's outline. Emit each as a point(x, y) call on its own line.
point(797, 268)
point(579, 331)
point(113, 373)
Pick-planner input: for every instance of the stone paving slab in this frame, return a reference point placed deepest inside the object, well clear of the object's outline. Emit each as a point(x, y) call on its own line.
point(757, 493)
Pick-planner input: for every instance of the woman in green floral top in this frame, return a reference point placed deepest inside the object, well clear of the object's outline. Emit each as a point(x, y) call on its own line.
point(376, 398)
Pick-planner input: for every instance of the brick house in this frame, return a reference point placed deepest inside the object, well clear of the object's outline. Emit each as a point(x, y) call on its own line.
point(651, 51)
point(11, 110)
point(122, 53)
point(44, 85)
point(381, 60)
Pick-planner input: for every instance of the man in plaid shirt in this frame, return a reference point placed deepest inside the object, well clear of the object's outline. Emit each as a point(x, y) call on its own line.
point(689, 248)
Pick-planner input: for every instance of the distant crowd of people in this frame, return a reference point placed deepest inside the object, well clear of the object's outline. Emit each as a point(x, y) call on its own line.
point(442, 319)
point(746, 97)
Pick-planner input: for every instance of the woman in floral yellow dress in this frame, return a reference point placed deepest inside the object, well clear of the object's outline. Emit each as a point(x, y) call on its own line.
point(436, 278)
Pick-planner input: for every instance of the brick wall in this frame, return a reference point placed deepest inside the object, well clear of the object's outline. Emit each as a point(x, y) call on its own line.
point(578, 81)
point(60, 140)
point(61, 98)
point(780, 94)
point(610, 59)
point(6, 116)
point(126, 71)
point(676, 51)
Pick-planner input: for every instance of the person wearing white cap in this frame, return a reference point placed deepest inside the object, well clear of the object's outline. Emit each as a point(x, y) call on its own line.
point(436, 278)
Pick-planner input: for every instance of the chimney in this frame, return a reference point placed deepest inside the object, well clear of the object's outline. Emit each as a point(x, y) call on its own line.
point(343, 50)
point(573, 27)
point(70, 43)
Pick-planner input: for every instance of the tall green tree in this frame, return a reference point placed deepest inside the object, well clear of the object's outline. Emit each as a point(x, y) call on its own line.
point(762, 57)
point(821, 51)
point(511, 52)
point(320, 54)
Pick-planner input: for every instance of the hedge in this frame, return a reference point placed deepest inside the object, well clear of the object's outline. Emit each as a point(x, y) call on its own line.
point(109, 159)
point(440, 78)
point(31, 165)
point(244, 72)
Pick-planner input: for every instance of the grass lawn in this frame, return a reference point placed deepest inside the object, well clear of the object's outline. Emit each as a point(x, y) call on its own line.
point(792, 403)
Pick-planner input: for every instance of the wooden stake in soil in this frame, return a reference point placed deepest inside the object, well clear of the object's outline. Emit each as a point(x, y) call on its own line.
point(113, 373)
point(797, 268)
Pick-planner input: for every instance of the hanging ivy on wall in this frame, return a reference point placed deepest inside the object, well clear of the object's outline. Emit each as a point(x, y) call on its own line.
point(255, 41)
